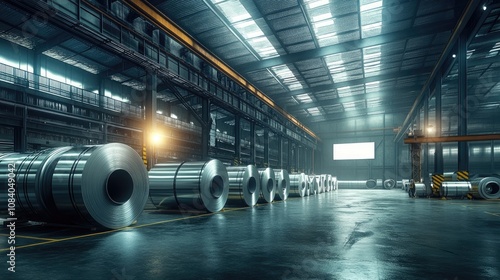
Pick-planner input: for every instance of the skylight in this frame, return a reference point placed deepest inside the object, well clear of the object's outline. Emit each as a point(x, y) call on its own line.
point(242, 21)
point(322, 21)
point(371, 18)
point(303, 98)
point(313, 111)
point(286, 76)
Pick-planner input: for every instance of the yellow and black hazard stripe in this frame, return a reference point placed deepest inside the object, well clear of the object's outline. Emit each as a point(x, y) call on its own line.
point(437, 181)
point(463, 175)
point(144, 155)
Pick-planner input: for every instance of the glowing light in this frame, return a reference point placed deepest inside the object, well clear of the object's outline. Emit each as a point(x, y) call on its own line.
point(156, 138)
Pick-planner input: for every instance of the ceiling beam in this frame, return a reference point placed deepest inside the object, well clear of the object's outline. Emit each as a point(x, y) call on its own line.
point(406, 92)
point(345, 47)
point(357, 82)
point(466, 138)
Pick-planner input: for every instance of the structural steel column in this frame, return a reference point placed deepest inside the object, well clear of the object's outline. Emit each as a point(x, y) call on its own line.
point(438, 155)
point(205, 127)
point(266, 147)
point(150, 119)
point(463, 147)
point(252, 143)
point(237, 140)
point(425, 169)
point(280, 152)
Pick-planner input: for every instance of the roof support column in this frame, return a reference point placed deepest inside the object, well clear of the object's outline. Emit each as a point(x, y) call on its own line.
point(463, 147)
point(252, 143)
point(438, 155)
point(150, 120)
point(237, 140)
point(205, 128)
point(425, 167)
point(266, 147)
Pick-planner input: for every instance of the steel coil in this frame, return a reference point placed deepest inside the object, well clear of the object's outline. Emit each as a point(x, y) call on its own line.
point(455, 188)
point(34, 192)
point(320, 184)
point(420, 190)
point(282, 184)
point(9, 165)
point(323, 183)
point(298, 184)
point(313, 184)
point(486, 188)
point(389, 183)
point(244, 185)
point(347, 184)
point(267, 189)
point(371, 183)
point(104, 186)
point(190, 186)
point(308, 186)
point(335, 183)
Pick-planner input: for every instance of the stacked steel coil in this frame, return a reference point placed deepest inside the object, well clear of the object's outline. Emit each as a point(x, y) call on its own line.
point(420, 190)
point(351, 184)
point(389, 183)
point(486, 187)
point(313, 185)
point(320, 184)
point(98, 186)
point(244, 185)
point(455, 188)
point(298, 184)
point(371, 183)
point(282, 184)
point(190, 186)
point(267, 178)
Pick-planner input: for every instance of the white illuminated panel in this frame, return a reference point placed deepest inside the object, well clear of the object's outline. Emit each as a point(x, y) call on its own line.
point(365, 150)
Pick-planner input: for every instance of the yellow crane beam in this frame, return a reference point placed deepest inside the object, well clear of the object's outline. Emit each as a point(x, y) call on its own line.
point(442, 139)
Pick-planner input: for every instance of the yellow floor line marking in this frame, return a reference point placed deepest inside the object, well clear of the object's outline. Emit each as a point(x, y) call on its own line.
point(494, 214)
point(121, 229)
point(30, 237)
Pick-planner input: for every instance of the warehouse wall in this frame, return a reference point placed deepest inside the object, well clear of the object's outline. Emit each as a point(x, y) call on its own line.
point(391, 160)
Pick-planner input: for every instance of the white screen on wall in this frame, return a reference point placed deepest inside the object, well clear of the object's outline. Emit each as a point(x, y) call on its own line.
point(365, 150)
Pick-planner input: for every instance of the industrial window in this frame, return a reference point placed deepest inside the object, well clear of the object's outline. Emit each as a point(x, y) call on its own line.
point(365, 150)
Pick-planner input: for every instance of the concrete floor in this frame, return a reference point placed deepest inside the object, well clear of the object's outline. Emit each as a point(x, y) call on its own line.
point(347, 234)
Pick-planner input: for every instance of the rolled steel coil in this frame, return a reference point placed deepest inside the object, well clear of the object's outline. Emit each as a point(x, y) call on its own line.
point(104, 186)
point(486, 188)
point(308, 186)
point(324, 183)
point(33, 188)
point(346, 184)
point(455, 188)
point(244, 185)
point(298, 184)
point(334, 183)
point(420, 190)
point(371, 183)
point(329, 183)
point(282, 184)
point(406, 184)
point(190, 186)
point(320, 184)
point(389, 183)
point(267, 189)
point(313, 184)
